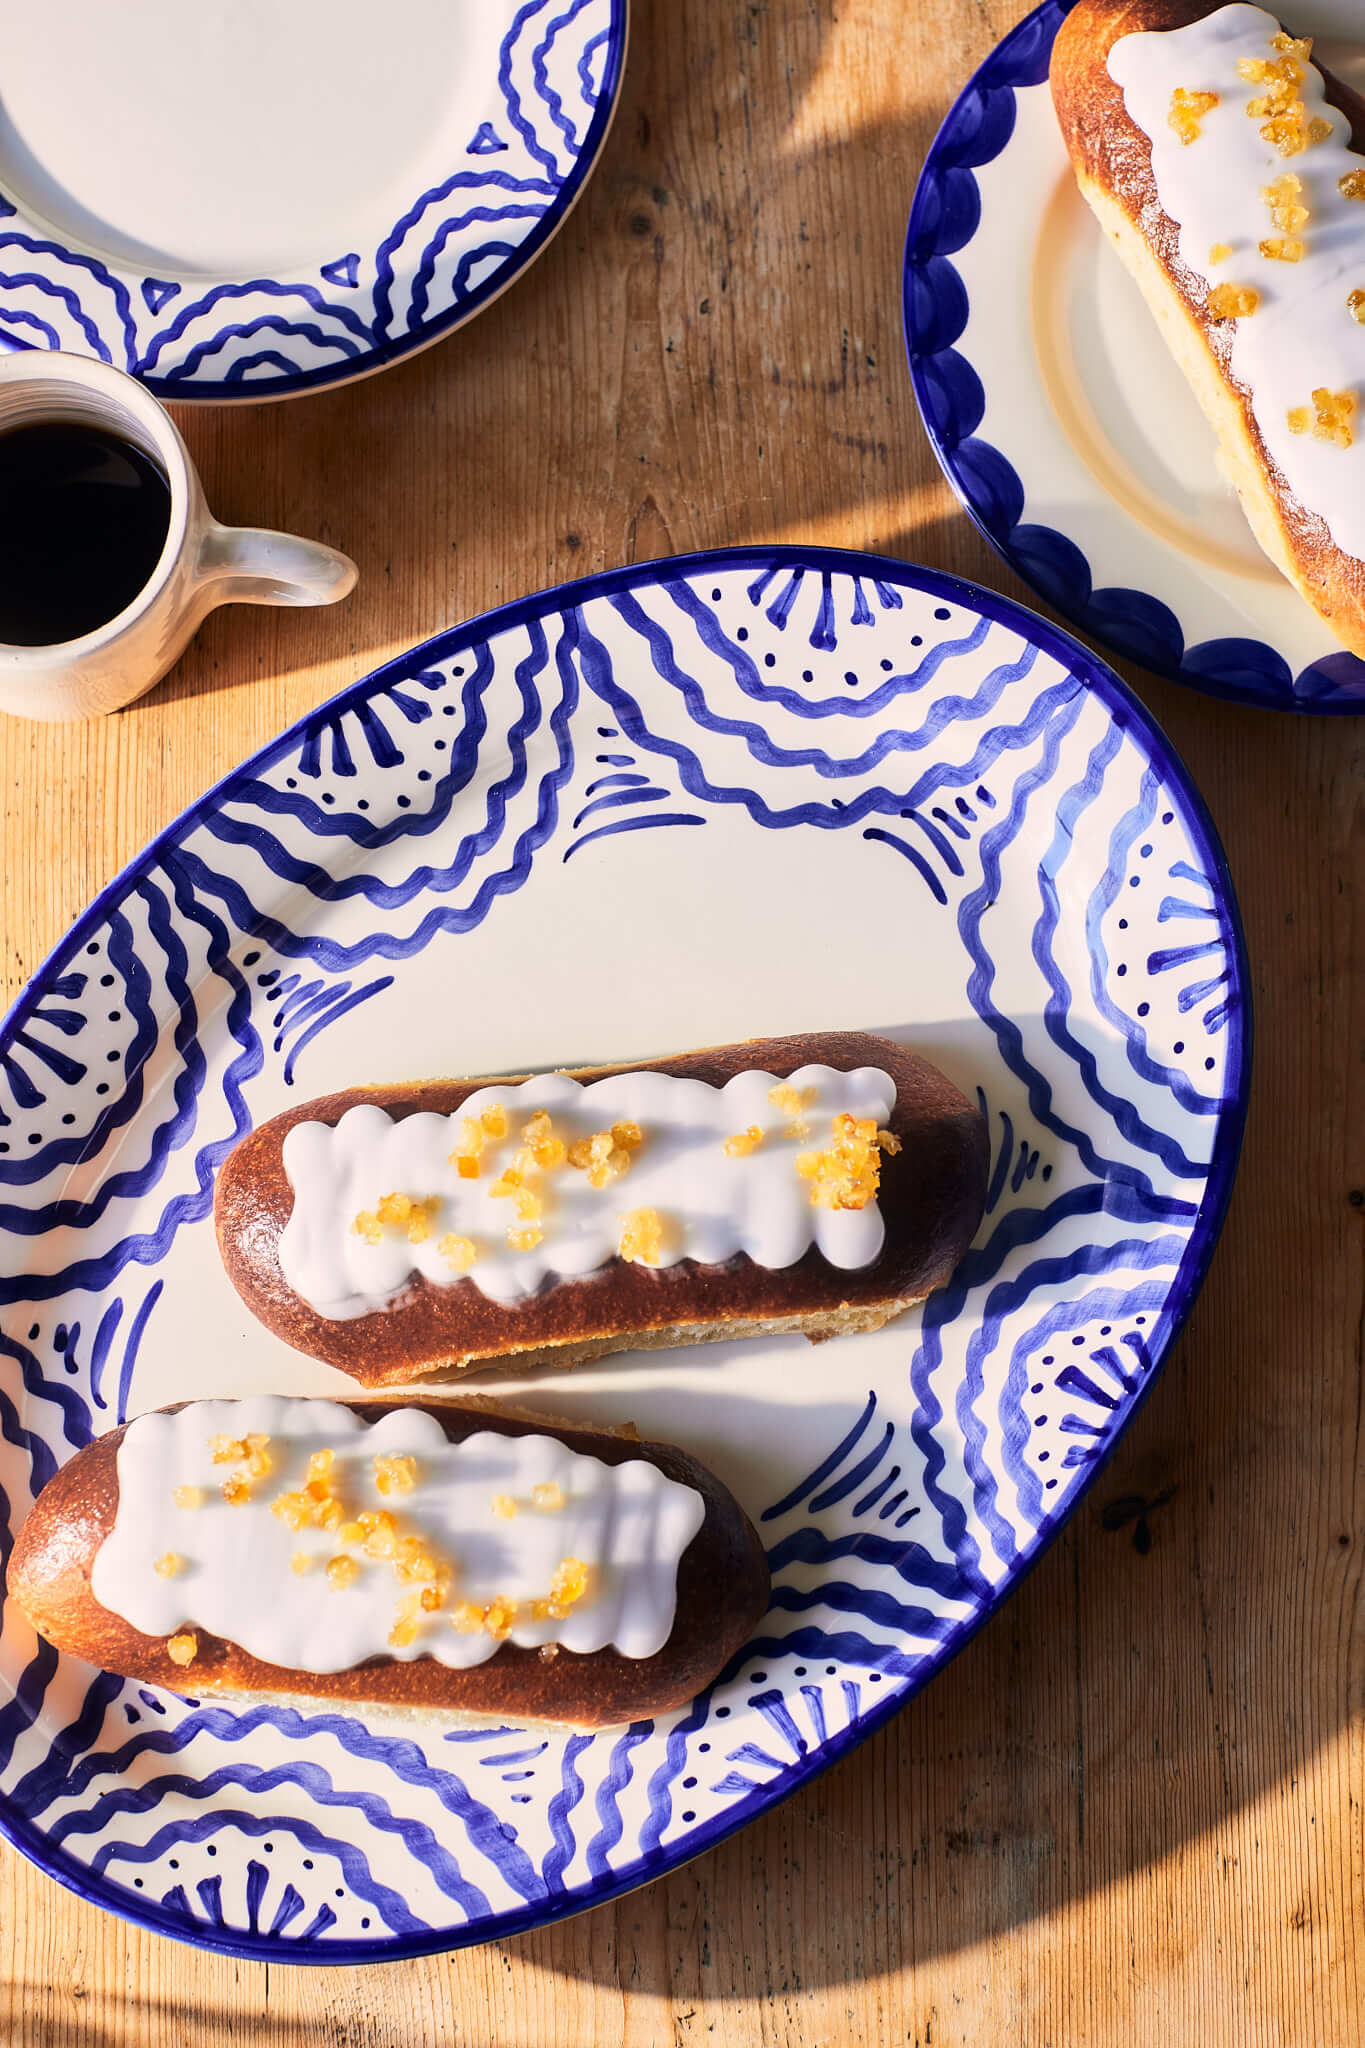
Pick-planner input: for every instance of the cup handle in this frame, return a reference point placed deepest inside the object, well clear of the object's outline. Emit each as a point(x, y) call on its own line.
point(250, 565)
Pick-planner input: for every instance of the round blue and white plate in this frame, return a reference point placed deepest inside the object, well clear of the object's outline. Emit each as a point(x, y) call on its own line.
point(1060, 417)
point(766, 790)
point(246, 203)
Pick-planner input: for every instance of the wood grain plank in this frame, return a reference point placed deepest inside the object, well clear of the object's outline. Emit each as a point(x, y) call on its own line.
point(1131, 1811)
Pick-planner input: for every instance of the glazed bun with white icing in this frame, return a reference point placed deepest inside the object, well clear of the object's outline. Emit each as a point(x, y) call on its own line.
point(432, 1559)
point(815, 1185)
point(1228, 169)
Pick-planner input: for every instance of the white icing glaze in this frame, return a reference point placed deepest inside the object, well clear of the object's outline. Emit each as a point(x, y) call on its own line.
point(1302, 334)
point(713, 1205)
point(629, 1523)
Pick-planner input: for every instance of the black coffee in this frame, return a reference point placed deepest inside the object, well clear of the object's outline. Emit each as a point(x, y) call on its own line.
point(83, 519)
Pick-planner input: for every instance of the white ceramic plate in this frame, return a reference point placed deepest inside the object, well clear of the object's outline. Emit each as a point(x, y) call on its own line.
point(678, 804)
point(251, 201)
point(1060, 417)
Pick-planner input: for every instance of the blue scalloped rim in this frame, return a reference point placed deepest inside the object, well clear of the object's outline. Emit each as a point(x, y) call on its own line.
point(369, 352)
point(1129, 713)
point(944, 217)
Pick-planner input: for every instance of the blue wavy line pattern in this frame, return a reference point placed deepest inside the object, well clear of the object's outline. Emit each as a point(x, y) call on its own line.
point(1014, 817)
point(945, 217)
point(456, 244)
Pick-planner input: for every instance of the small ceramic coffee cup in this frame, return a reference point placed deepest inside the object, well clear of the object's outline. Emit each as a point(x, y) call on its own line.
point(202, 564)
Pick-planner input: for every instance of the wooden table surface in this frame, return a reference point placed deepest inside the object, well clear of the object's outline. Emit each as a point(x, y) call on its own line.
point(1131, 1810)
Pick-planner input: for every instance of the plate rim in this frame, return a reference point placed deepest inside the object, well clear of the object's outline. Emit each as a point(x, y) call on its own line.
point(1206, 1228)
point(384, 355)
point(923, 245)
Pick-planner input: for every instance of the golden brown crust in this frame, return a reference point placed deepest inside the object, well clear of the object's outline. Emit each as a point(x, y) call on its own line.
point(1112, 159)
point(722, 1592)
point(932, 1196)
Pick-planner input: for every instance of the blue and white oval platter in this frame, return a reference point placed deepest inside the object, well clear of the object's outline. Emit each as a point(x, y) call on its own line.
point(767, 790)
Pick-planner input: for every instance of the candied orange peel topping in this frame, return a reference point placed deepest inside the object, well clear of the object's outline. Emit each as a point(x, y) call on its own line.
point(847, 1173)
point(188, 1496)
point(1330, 418)
point(1280, 107)
point(1290, 134)
point(540, 1152)
point(499, 1617)
point(411, 1214)
point(1352, 185)
point(744, 1142)
point(183, 1648)
point(375, 1532)
point(459, 1253)
point(475, 1131)
point(547, 1497)
point(605, 1156)
point(1355, 306)
point(567, 1586)
point(642, 1236)
point(170, 1565)
point(541, 1144)
point(1282, 249)
point(1220, 252)
point(316, 1504)
point(504, 1506)
point(1233, 301)
point(415, 1561)
point(379, 1532)
point(791, 1101)
point(251, 1456)
point(417, 1565)
point(395, 1474)
point(1187, 112)
point(252, 1451)
point(1284, 197)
